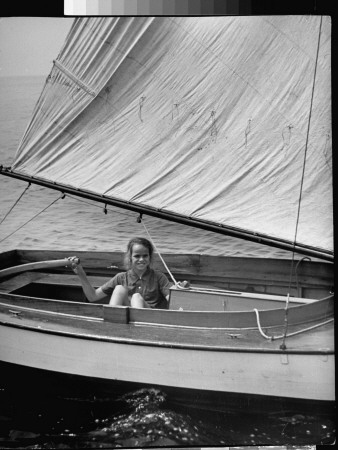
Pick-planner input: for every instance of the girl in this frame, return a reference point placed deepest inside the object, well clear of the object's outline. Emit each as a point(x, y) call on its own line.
point(140, 286)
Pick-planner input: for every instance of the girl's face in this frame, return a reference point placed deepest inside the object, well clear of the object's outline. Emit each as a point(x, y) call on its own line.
point(140, 258)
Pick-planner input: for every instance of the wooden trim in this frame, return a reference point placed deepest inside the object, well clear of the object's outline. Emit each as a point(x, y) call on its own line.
point(223, 292)
point(322, 309)
point(116, 314)
point(317, 311)
point(115, 338)
point(55, 306)
point(212, 270)
point(195, 264)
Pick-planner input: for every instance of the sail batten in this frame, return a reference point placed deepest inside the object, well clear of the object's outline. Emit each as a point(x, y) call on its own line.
point(204, 117)
point(75, 79)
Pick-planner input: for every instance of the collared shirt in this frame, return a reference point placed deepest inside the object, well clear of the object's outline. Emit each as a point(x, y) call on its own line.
point(153, 286)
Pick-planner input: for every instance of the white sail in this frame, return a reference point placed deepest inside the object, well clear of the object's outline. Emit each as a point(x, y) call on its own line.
point(221, 119)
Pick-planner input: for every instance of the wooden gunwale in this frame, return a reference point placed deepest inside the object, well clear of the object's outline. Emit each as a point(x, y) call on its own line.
point(237, 319)
point(91, 310)
point(40, 278)
point(250, 276)
point(20, 309)
point(75, 333)
point(274, 298)
point(297, 315)
point(214, 270)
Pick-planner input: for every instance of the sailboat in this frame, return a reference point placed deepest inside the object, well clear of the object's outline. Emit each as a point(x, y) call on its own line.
point(218, 123)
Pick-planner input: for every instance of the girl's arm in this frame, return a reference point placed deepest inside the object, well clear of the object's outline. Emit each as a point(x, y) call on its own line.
point(91, 293)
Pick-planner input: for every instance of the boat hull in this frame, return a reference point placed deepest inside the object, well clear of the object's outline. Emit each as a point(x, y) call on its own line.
point(275, 373)
point(81, 389)
point(220, 343)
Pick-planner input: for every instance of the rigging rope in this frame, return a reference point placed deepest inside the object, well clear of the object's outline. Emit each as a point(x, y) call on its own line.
point(283, 346)
point(282, 336)
point(11, 209)
point(159, 254)
point(36, 215)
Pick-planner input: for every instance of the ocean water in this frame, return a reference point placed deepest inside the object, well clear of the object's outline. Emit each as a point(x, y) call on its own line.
point(145, 417)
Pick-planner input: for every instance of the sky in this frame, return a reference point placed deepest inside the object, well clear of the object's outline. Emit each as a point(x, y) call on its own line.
point(28, 45)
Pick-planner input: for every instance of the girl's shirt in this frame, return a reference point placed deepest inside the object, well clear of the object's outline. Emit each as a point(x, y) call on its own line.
point(153, 286)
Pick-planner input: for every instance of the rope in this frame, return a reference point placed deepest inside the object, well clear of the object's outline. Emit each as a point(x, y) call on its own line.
point(283, 346)
point(282, 336)
point(260, 328)
point(15, 203)
point(307, 133)
point(159, 254)
point(54, 201)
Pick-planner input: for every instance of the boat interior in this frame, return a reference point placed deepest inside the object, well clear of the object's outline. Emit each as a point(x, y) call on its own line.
point(209, 292)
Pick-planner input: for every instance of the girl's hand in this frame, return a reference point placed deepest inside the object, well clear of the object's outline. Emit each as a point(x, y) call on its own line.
point(184, 284)
point(75, 262)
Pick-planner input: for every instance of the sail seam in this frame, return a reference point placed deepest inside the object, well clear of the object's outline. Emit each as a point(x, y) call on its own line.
point(75, 79)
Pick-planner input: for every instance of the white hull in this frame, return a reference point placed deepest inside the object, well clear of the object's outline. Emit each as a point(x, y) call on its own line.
point(299, 376)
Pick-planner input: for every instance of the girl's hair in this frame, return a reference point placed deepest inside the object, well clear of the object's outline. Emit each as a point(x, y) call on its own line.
point(141, 241)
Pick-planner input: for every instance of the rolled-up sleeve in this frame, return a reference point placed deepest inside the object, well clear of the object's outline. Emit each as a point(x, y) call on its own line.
point(164, 283)
point(109, 287)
